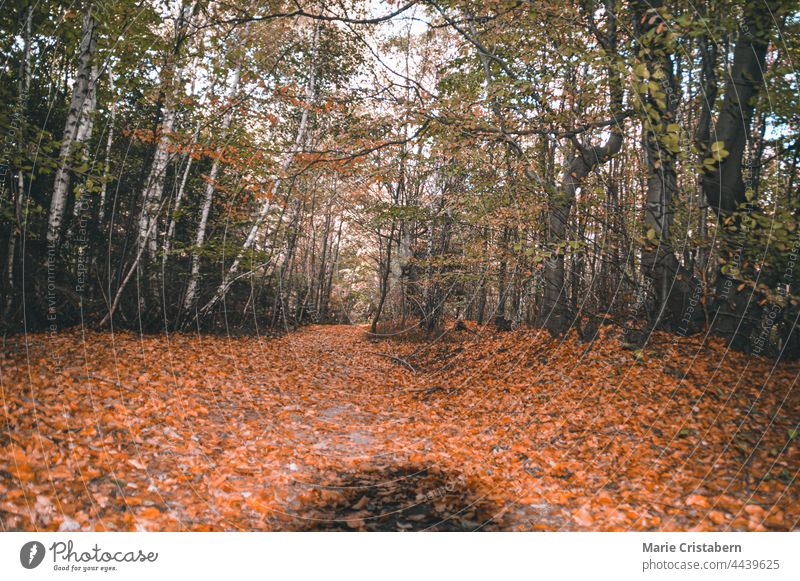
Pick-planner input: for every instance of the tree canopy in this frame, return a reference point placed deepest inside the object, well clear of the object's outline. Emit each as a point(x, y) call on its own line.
point(204, 164)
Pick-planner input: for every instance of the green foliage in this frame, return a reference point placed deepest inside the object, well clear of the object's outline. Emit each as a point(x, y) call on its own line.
point(763, 242)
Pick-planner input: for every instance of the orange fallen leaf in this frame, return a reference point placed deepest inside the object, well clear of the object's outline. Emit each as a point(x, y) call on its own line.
point(697, 500)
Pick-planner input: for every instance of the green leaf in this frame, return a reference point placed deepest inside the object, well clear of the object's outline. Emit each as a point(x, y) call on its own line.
point(717, 146)
point(720, 154)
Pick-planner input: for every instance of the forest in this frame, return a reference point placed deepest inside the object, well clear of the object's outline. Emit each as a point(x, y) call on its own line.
point(343, 241)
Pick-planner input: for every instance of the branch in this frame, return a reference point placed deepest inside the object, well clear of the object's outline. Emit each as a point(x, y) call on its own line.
point(397, 359)
point(615, 120)
point(362, 152)
point(301, 13)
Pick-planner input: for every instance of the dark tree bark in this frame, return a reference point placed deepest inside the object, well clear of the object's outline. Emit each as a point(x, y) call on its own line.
point(673, 286)
point(556, 316)
point(738, 314)
point(724, 186)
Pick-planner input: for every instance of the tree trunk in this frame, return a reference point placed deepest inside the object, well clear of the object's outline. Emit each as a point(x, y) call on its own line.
point(19, 228)
point(672, 285)
point(154, 185)
point(724, 186)
point(176, 208)
point(384, 282)
point(109, 142)
point(737, 315)
point(75, 128)
point(556, 314)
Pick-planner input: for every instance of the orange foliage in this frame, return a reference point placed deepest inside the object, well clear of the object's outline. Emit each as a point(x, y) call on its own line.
point(504, 431)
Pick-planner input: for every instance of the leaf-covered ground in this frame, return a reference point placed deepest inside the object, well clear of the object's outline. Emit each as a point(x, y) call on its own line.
point(327, 429)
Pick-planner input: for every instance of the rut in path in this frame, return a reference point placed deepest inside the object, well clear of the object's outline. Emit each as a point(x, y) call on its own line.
point(378, 488)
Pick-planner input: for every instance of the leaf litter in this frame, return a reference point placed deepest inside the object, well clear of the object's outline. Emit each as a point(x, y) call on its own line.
point(321, 430)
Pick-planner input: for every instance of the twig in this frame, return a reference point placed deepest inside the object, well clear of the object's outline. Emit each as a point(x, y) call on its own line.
point(428, 391)
point(99, 378)
point(397, 359)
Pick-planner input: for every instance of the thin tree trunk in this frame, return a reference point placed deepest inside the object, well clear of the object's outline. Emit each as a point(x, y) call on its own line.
point(154, 185)
point(323, 261)
point(109, 142)
point(384, 290)
point(175, 214)
point(24, 86)
point(334, 265)
point(179, 195)
point(83, 135)
point(133, 268)
point(154, 188)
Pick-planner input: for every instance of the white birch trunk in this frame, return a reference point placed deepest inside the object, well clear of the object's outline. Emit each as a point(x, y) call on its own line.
point(83, 135)
point(176, 209)
point(109, 141)
point(175, 214)
point(80, 94)
point(154, 186)
point(191, 289)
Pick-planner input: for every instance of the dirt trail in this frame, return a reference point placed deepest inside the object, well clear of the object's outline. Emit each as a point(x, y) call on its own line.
point(320, 429)
point(359, 425)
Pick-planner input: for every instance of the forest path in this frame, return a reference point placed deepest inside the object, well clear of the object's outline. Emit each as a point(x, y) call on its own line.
point(317, 429)
point(328, 429)
point(346, 390)
point(367, 417)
